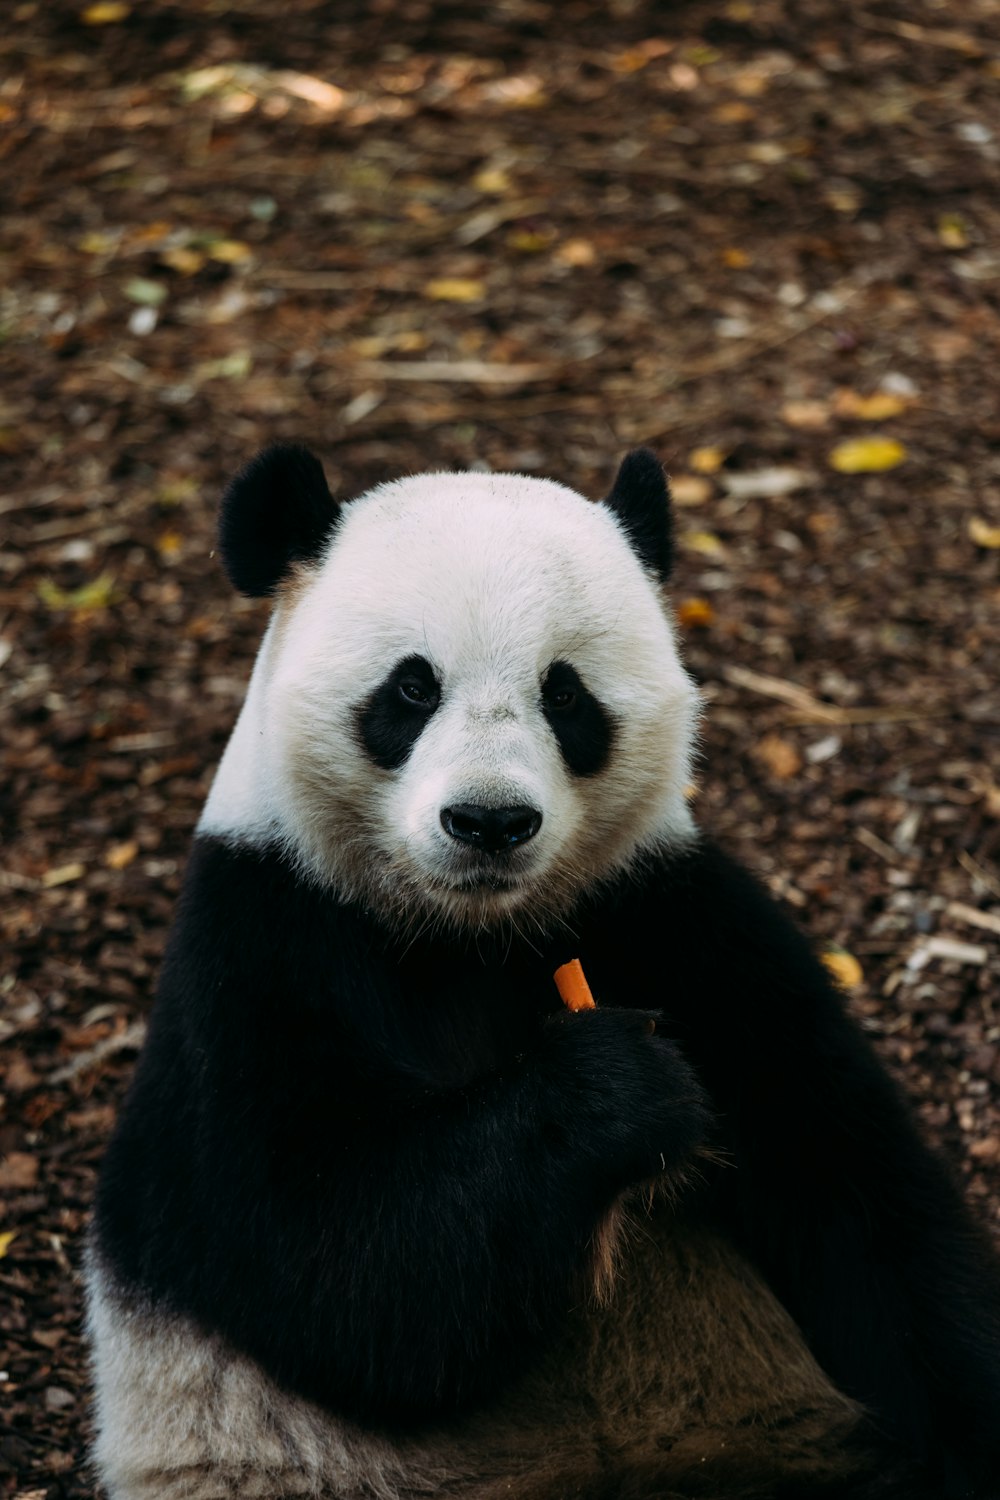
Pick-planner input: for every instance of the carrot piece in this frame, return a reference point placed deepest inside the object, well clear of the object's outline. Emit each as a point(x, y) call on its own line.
point(573, 988)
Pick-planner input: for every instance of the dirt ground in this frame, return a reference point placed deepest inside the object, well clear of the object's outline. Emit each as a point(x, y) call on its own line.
point(517, 235)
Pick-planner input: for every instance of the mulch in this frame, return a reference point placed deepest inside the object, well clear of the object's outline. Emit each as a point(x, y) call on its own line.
point(523, 235)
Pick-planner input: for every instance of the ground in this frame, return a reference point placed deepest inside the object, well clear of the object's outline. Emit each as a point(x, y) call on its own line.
point(517, 235)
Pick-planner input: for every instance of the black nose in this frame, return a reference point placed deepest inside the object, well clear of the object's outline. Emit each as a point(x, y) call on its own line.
point(492, 829)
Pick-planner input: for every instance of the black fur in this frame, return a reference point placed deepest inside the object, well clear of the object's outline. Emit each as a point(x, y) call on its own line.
point(391, 721)
point(377, 1167)
point(580, 723)
point(640, 498)
point(278, 511)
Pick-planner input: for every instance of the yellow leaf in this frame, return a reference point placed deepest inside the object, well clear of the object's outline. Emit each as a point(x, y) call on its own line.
point(780, 756)
point(98, 242)
point(844, 967)
point(982, 533)
point(455, 289)
point(806, 414)
point(695, 612)
point(576, 253)
point(6, 1240)
point(230, 252)
point(874, 408)
point(62, 875)
point(169, 545)
point(104, 13)
point(95, 595)
point(182, 258)
point(867, 455)
point(735, 258)
point(689, 489)
point(705, 542)
point(706, 460)
point(952, 233)
point(121, 855)
point(530, 241)
point(492, 180)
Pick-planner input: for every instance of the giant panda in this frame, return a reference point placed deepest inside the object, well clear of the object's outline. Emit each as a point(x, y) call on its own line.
point(381, 1218)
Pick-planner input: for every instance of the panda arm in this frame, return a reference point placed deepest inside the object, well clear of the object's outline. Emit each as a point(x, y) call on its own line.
point(379, 1239)
point(854, 1221)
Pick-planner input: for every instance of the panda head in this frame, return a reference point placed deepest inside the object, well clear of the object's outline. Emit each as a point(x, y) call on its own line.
point(468, 704)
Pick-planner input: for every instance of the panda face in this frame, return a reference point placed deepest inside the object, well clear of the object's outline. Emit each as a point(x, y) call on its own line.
point(469, 706)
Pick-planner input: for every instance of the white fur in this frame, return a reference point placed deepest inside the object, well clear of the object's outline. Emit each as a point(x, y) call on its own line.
point(490, 578)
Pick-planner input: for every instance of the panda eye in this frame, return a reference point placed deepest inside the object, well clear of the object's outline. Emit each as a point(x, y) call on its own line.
point(420, 694)
point(559, 698)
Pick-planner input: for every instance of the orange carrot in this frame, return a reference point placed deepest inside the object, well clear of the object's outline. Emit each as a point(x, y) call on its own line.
point(572, 985)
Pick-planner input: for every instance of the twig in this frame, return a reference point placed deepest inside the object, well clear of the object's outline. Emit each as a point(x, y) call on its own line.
point(973, 916)
point(977, 872)
point(809, 710)
point(132, 1036)
point(474, 371)
point(876, 845)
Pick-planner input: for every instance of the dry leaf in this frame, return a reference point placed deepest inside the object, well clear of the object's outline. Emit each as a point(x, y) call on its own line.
point(706, 460)
point(982, 533)
point(780, 756)
point(6, 1240)
point(952, 232)
point(844, 967)
point(735, 258)
point(120, 855)
point(96, 595)
point(63, 874)
point(695, 612)
point(874, 408)
point(230, 252)
point(689, 489)
point(805, 414)
point(18, 1170)
point(867, 455)
point(705, 542)
point(576, 253)
point(147, 293)
point(170, 545)
point(455, 289)
point(492, 180)
point(105, 13)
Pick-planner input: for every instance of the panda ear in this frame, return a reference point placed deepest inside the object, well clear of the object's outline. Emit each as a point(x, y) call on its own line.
point(640, 499)
point(277, 512)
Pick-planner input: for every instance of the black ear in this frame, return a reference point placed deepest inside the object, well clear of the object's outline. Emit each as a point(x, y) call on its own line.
point(640, 498)
point(278, 511)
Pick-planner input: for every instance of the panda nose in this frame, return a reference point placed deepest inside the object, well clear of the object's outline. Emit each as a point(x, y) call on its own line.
point(492, 829)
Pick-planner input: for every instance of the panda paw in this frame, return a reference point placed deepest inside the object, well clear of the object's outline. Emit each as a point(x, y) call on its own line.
point(624, 1095)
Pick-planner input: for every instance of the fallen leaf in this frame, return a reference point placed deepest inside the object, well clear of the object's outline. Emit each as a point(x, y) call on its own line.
point(689, 489)
point(735, 258)
point(706, 460)
point(455, 289)
point(844, 967)
point(695, 612)
point(183, 259)
point(229, 252)
point(767, 483)
point(530, 241)
point(705, 542)
point(105, 13)
point(867, 455)
point(874, 408)
point(805, 414)
point(147, 293)
point(121, 855)
point(63, 874)
point(18, 1170)
point(95, 595)
point(323, 96)
point(982, 533)
point(6, 1240)
point(576, 253)
point(779, 755)
point(952, 232)
point(492, 180)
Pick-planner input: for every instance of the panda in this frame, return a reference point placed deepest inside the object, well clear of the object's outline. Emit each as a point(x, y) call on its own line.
point(382, 1218)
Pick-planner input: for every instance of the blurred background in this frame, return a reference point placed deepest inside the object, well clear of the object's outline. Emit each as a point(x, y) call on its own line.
point(762, 236)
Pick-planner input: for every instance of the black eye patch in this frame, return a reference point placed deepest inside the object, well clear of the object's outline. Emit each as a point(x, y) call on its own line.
point(583, 727)
point(390, 722)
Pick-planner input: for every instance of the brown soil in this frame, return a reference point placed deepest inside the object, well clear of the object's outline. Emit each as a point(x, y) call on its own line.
point(525, 235)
